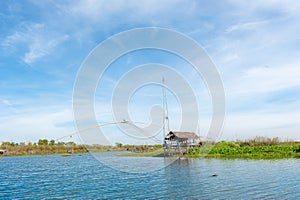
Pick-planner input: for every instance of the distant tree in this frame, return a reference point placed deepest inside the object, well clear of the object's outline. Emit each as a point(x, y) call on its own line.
point(60, 143)
point(52, 142)
point(70, 144)
point(5, 144)
point(119, 145)
point(43, 142)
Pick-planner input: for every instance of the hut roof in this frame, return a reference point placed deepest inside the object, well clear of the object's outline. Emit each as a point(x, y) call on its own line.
point(2, 151)
point(182, 135)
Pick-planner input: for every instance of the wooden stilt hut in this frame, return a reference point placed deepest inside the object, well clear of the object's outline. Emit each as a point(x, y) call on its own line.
point(178, 143)
point(3, 152)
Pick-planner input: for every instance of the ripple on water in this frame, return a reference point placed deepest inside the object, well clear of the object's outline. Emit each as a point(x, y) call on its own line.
point(78, 177)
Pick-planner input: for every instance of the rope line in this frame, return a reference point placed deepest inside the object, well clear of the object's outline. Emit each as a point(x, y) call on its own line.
point(154, 138)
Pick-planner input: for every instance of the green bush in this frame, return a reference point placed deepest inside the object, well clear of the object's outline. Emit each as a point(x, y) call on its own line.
point(224, 148)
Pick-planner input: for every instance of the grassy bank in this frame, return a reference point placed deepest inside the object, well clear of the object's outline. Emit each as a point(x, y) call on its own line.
point(247, 150)
point(45, 147)
point(152, 153)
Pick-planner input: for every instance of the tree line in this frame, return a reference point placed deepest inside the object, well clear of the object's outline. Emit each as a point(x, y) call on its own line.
point(44, 146)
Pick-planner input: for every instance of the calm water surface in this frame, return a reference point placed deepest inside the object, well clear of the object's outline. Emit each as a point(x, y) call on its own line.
point(83, 177)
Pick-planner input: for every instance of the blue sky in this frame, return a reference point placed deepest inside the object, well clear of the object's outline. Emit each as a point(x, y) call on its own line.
point(255, 46)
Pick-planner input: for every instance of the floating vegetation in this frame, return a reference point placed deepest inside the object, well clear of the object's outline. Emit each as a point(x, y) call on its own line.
point(249, 150)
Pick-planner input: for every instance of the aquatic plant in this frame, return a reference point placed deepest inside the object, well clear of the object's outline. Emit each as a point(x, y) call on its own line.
point(238, 149)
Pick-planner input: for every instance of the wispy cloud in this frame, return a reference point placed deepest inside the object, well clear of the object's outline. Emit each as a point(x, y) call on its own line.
point(38, 41)
point(247, 26)
point(6, 102)
point(267, 79)
point(24, 127)
point(246, 125)
point(289, 7)
point(100, 10)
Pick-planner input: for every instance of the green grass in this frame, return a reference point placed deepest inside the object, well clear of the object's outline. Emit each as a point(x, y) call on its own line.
point(241, 150)
point(45, 154)
point(155, 153)
point(267, 149)
point(245, 150)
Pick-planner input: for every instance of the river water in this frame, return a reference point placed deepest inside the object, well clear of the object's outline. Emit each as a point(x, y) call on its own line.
point(84, 177)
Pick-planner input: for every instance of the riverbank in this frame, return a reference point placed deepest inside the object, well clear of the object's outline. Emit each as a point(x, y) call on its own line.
point(243, 150)
point(153, 153)
point(45, 147)
point(246, 150)
point(42, 147)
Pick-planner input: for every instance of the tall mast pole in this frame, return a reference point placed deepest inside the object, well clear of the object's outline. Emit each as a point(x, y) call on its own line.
point(164, 114)
point(164, 106)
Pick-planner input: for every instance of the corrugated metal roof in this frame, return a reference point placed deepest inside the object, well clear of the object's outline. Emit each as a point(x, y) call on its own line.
point(182, 135)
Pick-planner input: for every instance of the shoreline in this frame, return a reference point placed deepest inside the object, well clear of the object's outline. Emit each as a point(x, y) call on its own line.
point(235, 150)
point(223, 149)
point(50, 154)
point(154, 154)
point(219, 156)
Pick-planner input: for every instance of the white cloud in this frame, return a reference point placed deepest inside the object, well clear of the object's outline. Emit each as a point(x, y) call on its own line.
point(42, 47)
point(290, 7)
point(6, 102)
point(95, 10)
point(267, 79)
point(127, 14)
point(34, 126)
point(248, 26)
point(248, 125)
point(38, 41)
